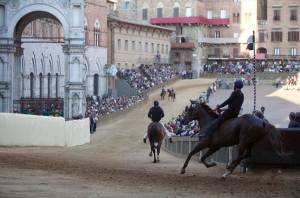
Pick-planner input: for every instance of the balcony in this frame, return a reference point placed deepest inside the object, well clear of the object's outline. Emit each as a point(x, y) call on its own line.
point(262, 24)
point(224, 40)
point(190, 20)
point(186, 45)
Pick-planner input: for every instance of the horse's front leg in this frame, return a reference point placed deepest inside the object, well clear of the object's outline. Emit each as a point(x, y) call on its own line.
point(206, 155)
point(198, 147)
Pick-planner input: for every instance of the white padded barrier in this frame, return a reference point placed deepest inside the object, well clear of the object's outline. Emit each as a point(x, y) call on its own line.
point(31, 130)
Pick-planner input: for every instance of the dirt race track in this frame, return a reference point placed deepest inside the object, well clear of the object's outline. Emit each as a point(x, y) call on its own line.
point(116, 164)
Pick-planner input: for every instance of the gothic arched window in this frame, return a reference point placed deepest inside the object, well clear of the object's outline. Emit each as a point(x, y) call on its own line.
point(49, 85)
point(31, 85)
point(96, 85)
point(41, 84)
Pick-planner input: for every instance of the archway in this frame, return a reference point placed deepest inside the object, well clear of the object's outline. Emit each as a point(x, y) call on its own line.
point(262, 50)
point(67, 14)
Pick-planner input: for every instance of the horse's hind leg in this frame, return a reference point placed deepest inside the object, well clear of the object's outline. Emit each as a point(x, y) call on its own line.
point(243, 153)
point(154, 155)
point(158, 152)
point(206, 155)
point(198, 147)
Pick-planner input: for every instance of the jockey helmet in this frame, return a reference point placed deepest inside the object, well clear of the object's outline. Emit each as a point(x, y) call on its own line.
point(156, 103)
point(238, 84)
point(292, 116)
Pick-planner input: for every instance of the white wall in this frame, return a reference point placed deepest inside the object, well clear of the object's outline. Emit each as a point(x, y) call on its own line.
point(30, 130)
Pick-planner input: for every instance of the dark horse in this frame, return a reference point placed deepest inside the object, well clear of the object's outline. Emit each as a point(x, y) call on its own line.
point(162, 94)
point(171, 95)
point(243, 131)
point(156, 136)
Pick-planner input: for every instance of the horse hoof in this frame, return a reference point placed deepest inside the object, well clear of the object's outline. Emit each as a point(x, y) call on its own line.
point(182, 171)
point(144, 140)
point(211, 165)
point(225, 175)
point(154, 161)
point(158, 160)
point(150, 154)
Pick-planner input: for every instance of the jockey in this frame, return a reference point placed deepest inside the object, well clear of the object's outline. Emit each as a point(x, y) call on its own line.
point(156, 113)
point(163, 89)
point(234, 102)
point(293, 122)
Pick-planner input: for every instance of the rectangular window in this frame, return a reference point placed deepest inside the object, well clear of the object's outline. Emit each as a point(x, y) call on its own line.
point(217, 52)
point(127, 3)
point(209, 14)
point(133, 45)
point(126, 45)
point(276, 51)
point(188, 11)
point(235, 52)
point(217, 34)
point(223, 14)
point(158, 46)
point(276, 15)
point(162, 49)
point(261, 37)
point(294, 15)
point(119, 44)
point(146, 47)
point(276, 36)
point(167, 49)
point(152, 48)
point(145, 14)
point(159, 12)
point(293, 36)
point(176, 12)
point(234, 18)
point(293, 51)
point(140, 46)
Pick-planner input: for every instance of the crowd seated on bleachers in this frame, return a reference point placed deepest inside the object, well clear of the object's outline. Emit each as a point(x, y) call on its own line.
point(246, 67)
point(107, 105)
point(146, 77)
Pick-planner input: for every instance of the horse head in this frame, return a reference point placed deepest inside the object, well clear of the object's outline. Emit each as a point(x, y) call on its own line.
point(199, 110)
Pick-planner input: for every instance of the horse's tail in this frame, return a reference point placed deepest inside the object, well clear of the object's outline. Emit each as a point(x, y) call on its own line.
point(275, 137)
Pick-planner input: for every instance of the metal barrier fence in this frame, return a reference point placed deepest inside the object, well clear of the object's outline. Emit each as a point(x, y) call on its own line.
point(181, 146)
point(262, 153)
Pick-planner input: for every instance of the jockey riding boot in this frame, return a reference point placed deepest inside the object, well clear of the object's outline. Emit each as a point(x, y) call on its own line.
point(170, 140)
point(144, 140)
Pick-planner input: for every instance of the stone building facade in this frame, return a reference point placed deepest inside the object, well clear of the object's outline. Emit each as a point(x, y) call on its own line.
point(204, 30)
point(134, 43)
point(53, 51)
point(278, 29)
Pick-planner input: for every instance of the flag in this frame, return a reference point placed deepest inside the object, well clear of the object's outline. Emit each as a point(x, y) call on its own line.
point(250, 42)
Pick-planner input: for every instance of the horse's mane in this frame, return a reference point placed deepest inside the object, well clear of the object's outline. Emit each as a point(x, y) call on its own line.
point(209, 110)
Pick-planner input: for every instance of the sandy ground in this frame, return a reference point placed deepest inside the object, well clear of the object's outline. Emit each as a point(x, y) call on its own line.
point(116, 162)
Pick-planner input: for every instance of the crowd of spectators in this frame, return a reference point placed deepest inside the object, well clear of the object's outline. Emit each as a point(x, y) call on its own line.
point(179, 126)
point(107, 105)
point(246, 67)
point(146, 77)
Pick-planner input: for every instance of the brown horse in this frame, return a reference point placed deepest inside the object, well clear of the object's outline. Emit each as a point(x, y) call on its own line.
point(156, 136)
point(171, 95)
point(162, 94)
point(243, 131)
